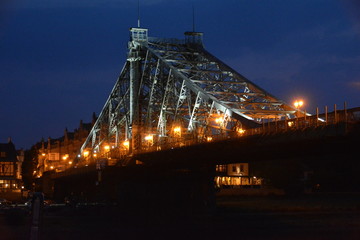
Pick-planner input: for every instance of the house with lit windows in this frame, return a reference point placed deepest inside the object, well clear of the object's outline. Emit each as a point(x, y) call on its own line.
point(235, 175)
point(59, 154)
point(10, 167)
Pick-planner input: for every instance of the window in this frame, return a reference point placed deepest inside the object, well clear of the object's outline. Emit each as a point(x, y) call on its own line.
point(7, 169)
point(54, 156)
point(8, 184)
point(221, 168)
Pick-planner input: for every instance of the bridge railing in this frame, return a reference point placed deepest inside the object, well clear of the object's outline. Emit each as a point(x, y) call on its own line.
point(300, 123)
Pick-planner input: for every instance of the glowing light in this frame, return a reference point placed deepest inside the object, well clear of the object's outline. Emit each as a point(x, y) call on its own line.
point(290, 124)
point(219, 120)
point(6, 185)
point(126, 143)
point(66, 156)
point(43, 154)
point(86, 153)
point(70, 162)
point(209, 139)
point(149, 138)
point(177, 131)
point(22, 187)
point(107, 147)
point(94, 155)
point(241, 131)
point(51, 167)
point(298, 103)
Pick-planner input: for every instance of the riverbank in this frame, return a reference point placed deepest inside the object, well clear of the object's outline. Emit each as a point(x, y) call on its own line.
point(316, 216)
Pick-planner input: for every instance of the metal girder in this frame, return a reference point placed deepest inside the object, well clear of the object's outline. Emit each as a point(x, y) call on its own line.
point(161, 126)
point(173, 85)
point(111, 112)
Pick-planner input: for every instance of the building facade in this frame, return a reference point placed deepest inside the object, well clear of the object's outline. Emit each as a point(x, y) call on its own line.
point(59, 154)
point(235, 175)
point(10, 167)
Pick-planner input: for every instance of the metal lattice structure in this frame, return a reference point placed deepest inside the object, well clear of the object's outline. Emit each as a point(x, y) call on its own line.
point(172, 93)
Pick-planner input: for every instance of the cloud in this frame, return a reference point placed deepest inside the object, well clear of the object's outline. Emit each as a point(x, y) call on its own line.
point(355, 85)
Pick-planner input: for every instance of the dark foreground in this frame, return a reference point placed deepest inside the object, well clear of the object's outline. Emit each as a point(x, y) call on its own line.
point(322, 216)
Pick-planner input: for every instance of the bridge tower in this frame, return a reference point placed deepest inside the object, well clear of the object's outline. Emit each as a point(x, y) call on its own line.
point(173, 93)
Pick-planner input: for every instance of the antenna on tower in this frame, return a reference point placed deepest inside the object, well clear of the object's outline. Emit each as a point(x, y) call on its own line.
point(138, 13)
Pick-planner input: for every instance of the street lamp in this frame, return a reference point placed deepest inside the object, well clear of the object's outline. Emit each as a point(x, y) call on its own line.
point(298, 103)
point(86, 153)
point(240, 131)
point(149, 139)
point(177, 131)
point(219, 120)
point(126, 144)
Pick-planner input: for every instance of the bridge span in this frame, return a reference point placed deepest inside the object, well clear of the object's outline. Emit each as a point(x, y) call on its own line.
point(176, 112)
point(185, 176)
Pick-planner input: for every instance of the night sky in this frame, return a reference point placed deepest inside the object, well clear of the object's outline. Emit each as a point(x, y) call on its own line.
point(59, 59)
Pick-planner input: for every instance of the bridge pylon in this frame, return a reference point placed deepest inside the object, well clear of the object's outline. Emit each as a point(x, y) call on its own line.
point(173, 93)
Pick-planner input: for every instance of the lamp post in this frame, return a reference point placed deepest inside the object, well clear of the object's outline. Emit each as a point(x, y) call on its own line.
point(149, 141)
point(298, 104)
point(177, 132)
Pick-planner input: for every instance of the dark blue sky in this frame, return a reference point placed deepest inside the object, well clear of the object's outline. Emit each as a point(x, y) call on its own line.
point(59, 59)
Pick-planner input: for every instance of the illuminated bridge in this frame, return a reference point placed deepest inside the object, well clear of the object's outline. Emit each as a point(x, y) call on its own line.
point(173, 93)
point(176, 111)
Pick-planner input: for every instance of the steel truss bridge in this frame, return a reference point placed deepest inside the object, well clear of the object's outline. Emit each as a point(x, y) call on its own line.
point(173, 93)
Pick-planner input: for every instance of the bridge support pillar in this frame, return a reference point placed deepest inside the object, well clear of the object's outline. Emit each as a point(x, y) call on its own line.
point(134, 59)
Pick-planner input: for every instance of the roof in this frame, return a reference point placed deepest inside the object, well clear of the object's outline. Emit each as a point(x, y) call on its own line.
point(71, 135)
point(87, 126)
point(10, 152)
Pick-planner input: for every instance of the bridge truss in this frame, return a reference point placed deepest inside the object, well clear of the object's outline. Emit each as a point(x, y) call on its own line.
point(172, 93)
